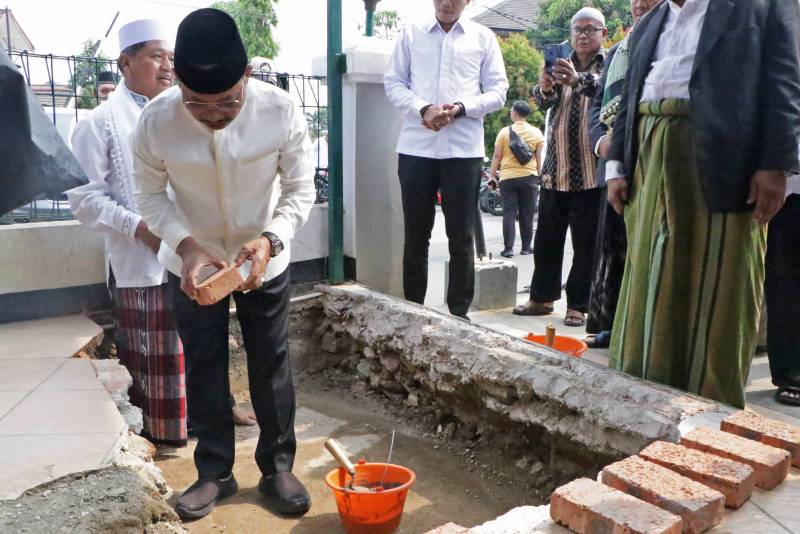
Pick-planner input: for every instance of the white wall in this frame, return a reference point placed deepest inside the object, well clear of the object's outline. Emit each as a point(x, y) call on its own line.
point(55, 255)
point(49, 255)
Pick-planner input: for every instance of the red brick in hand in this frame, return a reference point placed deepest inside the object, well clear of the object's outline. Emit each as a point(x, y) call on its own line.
point(771, 465)
point(768, 431)
point(218, 286)
point(699, 506)
point(733, 479)
point(588, 507)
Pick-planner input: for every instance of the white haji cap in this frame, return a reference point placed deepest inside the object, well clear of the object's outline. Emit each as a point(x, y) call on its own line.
point(589, 13)
point(141, 31)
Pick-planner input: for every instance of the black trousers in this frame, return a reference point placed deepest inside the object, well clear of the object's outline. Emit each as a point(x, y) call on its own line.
point(782, 291)
point(577, 211)
point(520, 196)
point(264, 317)
point(458, 180)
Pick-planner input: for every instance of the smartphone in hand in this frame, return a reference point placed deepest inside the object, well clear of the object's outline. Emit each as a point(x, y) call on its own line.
point(554, 52)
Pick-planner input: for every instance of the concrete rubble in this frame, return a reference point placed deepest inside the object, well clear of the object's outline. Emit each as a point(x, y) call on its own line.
point(128, 496)
point(418, 356)
point(117, 380)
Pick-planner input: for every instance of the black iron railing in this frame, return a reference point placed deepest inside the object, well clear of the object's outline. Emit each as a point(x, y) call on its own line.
point(67, 87)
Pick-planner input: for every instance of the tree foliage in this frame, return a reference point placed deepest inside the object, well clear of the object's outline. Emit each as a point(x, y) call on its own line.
point(554, 18)
point(84, 77)
point(256, 20)
point(523, 65)
point(388, 21)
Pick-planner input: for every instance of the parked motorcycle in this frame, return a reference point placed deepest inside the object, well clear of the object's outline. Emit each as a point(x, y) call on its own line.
point(489, 198)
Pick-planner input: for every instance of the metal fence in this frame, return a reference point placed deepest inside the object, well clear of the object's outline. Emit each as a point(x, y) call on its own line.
point(68, 87)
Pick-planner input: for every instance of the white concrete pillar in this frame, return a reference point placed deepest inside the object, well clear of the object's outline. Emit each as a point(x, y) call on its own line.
point(373, 211)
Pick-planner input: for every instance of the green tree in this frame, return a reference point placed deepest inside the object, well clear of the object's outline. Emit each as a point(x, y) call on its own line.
point(523, 66)
point(256, 20)
point(387, 20)
point(554, 18)
point(317, 122)
point(84, 76)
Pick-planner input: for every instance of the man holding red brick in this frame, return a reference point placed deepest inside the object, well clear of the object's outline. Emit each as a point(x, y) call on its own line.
point(236, 154)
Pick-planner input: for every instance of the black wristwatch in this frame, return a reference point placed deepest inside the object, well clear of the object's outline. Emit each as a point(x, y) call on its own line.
point(275, 241)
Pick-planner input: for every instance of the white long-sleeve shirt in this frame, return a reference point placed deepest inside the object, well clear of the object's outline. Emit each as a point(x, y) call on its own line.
point(229, 185)
point(102, 143)
point(431, 66)
point(672, 65)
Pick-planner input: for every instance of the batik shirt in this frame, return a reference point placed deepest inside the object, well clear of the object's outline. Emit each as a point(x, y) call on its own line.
point(570, 163)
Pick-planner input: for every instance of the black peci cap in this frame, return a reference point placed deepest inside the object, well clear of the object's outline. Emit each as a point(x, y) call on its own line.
point(209, 54)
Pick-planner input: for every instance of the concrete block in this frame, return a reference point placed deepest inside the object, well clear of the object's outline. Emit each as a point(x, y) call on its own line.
point(522, 520)
point(699, 506)
point(734, 480)
point(219, 285)
point(770, 464)
point(495, 284)
point(589, 507)
point(768, 431)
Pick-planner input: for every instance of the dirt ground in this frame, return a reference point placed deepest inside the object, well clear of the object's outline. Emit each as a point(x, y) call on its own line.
point(455, 482)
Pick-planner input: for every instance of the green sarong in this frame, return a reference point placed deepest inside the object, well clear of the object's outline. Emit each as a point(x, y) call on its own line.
point(691, 294)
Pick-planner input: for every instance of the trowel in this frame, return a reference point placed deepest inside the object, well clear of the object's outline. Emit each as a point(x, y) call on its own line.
point(338, 453)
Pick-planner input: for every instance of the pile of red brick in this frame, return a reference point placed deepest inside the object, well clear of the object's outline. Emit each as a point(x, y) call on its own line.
point(672, 489)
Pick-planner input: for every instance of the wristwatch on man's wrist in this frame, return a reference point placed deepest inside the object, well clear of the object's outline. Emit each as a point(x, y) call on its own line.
point(275, 241)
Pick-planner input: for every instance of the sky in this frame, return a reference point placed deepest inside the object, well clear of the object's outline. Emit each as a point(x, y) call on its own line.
point(60, 27)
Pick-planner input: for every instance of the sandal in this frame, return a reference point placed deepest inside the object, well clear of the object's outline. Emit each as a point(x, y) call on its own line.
point(533, 308)
point(574, 318)
point(787, 395)
point(598, 341)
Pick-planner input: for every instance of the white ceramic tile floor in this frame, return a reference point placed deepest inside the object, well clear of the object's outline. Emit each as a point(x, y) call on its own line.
point(32, 460)
point(73, 374)
point(58, 337)
point(26, 373)
point(63, 412)
point(8, 400)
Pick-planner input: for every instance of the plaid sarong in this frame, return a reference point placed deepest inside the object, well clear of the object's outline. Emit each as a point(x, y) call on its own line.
point(148, 345)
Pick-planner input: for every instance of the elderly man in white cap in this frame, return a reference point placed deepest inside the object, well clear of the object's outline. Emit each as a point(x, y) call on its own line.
point(147, 340)
point(570, 196)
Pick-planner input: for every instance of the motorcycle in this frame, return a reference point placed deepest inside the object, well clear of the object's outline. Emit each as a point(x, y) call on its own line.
point(489, 198)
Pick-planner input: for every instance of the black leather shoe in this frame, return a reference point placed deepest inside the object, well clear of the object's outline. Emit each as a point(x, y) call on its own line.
point(526, 252)
point(507, 253)
point(285, 493)
point(199, 499)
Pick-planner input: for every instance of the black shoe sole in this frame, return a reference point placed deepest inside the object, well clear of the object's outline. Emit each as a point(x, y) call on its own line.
point(191, 515)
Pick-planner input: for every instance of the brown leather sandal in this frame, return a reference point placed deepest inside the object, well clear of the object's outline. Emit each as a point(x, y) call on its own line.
point(574, 318)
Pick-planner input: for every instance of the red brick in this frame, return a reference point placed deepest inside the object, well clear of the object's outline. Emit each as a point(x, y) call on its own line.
point(588, 507)
point(767, 431)
point(771, 465)
point(218, 286)
point(699, 506)
point(733, 479)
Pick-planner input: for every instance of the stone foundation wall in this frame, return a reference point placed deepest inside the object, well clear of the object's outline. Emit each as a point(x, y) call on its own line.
point(571, 416)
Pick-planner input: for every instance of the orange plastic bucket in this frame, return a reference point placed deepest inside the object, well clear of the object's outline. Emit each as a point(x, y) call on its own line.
point(566, 344)
point(373, 512)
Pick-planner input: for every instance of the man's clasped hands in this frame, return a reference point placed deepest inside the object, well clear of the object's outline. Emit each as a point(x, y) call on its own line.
point(436, 117)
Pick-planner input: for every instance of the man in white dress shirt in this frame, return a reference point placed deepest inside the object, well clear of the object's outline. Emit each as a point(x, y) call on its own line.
point(145, 334)
point(445, 75)
point(236, 154)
